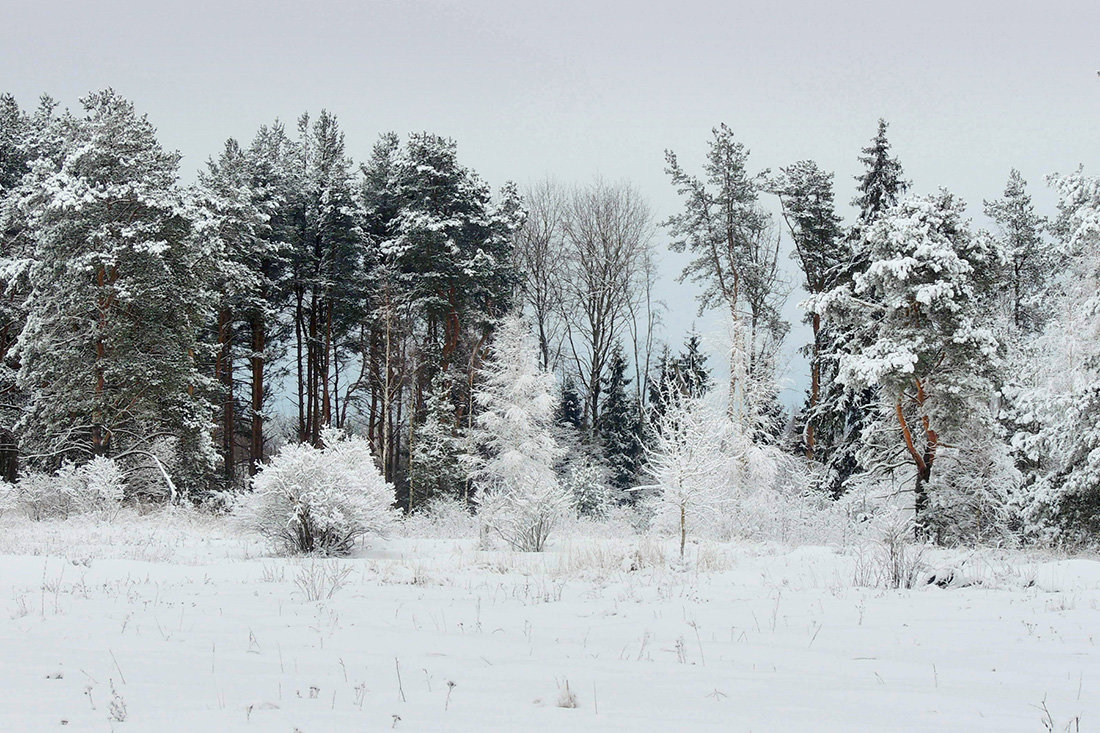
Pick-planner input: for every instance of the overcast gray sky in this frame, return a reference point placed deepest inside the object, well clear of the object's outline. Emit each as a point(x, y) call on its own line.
point(575, 89)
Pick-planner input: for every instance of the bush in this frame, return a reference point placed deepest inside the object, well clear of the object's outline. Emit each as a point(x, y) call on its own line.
point(320, 500)
point(524, 515)
point(97, 485)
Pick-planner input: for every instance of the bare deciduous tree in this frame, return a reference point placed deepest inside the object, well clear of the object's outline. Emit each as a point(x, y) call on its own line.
point(540, 260)
point(608, 232)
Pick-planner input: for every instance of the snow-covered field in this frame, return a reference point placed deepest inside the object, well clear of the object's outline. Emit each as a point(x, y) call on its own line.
point(176, 623)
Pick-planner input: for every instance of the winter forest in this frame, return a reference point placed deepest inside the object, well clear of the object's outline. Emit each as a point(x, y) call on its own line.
point(343, 374)
point(496, 348)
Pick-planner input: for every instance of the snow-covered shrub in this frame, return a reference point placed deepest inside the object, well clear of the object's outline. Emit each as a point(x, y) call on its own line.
point(524, 514)
point(585, 479)
point(443, 516)
point(892, 559)
point(519, 496)
point(320, 500)
point(7, 497)
point(97, 485)
point(691, 461)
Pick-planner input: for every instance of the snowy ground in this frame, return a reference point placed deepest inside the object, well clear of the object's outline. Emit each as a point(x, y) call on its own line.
point(195, 628)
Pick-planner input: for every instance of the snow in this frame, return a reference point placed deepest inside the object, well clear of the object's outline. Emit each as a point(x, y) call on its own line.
point(197, 629)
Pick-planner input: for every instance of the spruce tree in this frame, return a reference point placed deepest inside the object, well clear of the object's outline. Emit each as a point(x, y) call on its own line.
point(619, 428)
point(436, 447)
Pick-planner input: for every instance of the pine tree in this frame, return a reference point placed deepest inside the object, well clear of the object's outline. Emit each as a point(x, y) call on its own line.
point(234, 222)
point(118, 296)
point(843, 412)
point(806, 193)
point(917, 317)
point(327, 281)
point(735, 257)
point(1031, 260)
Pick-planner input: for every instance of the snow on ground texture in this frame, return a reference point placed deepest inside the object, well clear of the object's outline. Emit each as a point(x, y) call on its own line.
point(196, 630)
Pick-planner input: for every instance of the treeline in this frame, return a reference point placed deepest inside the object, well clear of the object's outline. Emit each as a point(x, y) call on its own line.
point(188, 332)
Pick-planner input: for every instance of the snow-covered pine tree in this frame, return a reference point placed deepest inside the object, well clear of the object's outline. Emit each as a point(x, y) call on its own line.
point(514, 451)
point(845, 413)
point(924, 341)
point(735, 259)
point(117, 297)
point(327, 282)
point(822, 250)
point(1032, 262)
point(443, 273)
point(14, 164)
point(234, 222)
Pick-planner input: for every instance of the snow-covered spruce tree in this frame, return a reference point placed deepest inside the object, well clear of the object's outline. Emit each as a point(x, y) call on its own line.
point(581, 468)
point(519, 495)
point(917, 331)
point(436, 448)
point(1056, 399)
point(117, 297)
point(619, 428)
point(686, 373)
point(320, 500)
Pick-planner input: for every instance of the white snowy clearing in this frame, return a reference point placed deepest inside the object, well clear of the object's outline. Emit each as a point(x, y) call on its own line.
point(173, 622)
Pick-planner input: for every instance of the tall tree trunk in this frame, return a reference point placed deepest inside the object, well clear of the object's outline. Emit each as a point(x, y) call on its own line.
point(815, 386)
point(298, 345)
point(259, 344)
point(223, 367)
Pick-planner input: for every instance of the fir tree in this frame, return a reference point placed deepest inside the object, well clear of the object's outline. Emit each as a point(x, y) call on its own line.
point(881, 184)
